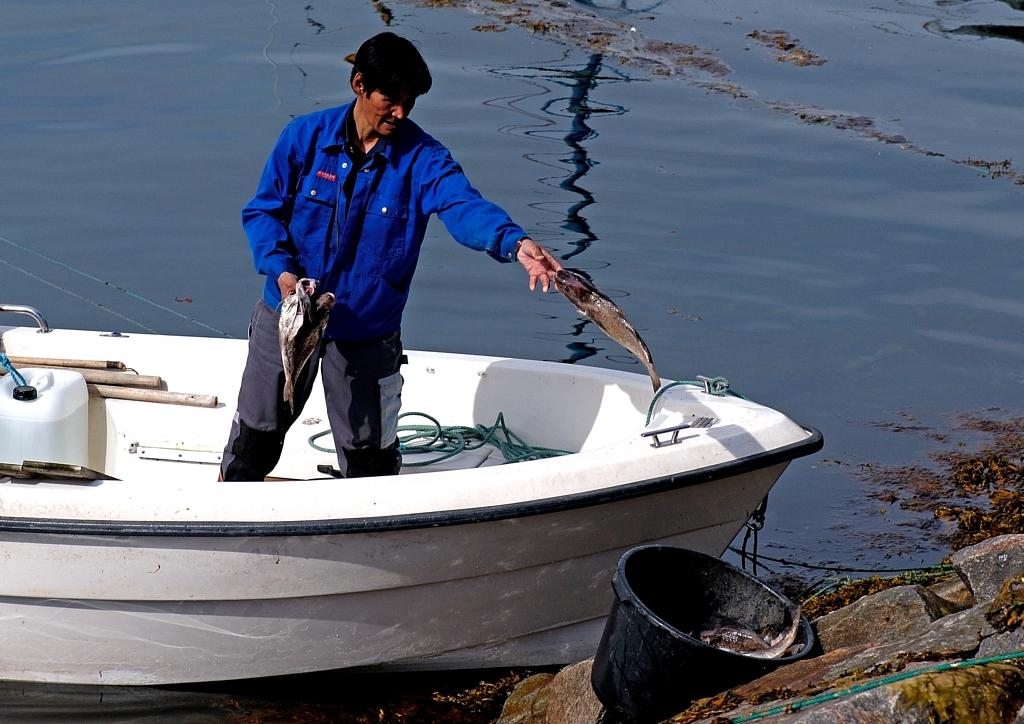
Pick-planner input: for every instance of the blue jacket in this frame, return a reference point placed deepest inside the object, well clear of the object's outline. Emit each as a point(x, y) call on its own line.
point(363, 248)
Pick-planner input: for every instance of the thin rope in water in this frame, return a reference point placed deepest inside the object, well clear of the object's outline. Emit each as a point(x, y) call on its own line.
point(844, 569)
point(793, 706)
point(38, 278)
point(835, 582)
point(105, 283)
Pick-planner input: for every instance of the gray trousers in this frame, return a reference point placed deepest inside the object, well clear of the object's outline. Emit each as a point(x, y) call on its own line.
point(362, 387)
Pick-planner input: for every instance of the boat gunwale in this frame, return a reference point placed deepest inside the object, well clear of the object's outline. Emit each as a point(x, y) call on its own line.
point(432, 519)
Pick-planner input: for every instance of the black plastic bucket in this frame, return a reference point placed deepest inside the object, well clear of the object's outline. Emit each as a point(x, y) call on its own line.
point(650, 663)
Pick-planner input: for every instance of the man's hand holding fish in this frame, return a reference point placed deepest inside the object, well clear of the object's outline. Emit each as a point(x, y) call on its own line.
point(538, 262)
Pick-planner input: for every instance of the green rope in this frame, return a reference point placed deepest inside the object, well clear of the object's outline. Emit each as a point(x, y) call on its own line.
point(794, 706)
point(445, 442)
point(717, 386)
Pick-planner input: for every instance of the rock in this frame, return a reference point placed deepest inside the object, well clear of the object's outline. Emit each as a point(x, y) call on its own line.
point(1007, 609)
point(955, 636)
point(989, 693)
point(527, 704)
point(884, 616)
point(988, 564)
point(565, 698)
point(571, 698)
point(1005, 614)
point(954, 590)
point(978, 693)
point(1001, 643)
point(798, 676)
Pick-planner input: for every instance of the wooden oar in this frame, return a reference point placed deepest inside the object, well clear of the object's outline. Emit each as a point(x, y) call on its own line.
point(111, 377)
point(92, 364)
point(143, 395)
point(105, 378)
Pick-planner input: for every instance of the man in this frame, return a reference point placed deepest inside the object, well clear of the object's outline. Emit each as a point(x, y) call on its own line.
point(345, 198)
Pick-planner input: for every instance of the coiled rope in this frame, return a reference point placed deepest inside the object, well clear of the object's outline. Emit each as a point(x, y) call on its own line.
point(447, 441)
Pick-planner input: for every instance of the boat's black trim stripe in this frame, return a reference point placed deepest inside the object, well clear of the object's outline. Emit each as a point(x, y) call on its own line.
point(415, 520)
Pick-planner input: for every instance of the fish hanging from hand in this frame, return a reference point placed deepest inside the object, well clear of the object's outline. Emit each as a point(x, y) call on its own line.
point(607, 315)
point(301, 324)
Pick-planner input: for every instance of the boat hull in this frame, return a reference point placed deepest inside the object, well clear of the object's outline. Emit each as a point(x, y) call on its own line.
point(472, 592)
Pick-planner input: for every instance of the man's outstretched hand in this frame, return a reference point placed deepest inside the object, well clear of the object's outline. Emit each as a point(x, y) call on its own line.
point(538, 262)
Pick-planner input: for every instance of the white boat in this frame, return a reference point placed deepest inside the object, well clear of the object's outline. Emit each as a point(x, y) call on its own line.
point(124, 561)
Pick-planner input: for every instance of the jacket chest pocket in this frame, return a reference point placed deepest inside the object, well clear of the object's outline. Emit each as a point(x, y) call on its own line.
point(315, 200)
point(385, 226)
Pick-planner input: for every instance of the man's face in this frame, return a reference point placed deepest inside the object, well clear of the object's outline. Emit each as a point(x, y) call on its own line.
point(377, 112)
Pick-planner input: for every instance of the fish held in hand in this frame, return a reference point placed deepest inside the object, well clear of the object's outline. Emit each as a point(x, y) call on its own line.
point(740, 640)
point(607, 315)
point(303, 317)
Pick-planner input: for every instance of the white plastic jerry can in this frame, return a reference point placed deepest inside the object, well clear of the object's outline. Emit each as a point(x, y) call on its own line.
point(46, 420)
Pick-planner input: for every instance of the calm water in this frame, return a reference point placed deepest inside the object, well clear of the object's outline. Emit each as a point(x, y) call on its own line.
point(848, 281)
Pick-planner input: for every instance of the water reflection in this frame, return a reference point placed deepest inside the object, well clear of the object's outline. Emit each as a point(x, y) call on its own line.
point(48, 703)
point(578, 107)
point(1006, 32)
point(575, 221)
point(340, 697)
point(981, 30)
point(623, 5)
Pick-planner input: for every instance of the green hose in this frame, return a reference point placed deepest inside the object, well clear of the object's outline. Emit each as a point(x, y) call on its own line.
point(447, 441)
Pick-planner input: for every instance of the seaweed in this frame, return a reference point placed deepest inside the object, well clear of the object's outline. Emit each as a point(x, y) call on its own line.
point(979, 492)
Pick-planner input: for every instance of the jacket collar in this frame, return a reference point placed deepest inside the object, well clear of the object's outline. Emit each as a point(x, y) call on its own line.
point(338, 136)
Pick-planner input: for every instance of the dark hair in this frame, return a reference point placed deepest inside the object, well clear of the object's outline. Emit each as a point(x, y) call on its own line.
point(391, 64)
